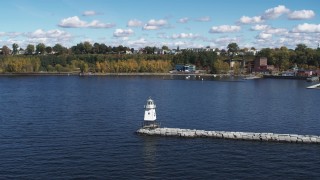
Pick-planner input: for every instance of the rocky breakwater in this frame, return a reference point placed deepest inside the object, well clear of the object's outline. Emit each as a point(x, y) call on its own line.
point(192, 133)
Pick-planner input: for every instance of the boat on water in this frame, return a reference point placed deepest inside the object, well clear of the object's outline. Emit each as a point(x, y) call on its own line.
point(251, 77)
point(315, 86)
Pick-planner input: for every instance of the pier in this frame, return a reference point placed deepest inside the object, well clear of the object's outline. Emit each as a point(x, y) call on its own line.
point(193, 133)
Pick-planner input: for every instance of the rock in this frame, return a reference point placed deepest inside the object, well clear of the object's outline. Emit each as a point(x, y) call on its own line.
point(293, 138)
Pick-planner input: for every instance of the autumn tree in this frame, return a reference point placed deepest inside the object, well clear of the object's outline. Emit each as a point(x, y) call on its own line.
point(83, 67)
point(5, 50)
point(220, 67)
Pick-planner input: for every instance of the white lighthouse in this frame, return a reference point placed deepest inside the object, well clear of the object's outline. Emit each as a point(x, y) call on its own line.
point(150, 115)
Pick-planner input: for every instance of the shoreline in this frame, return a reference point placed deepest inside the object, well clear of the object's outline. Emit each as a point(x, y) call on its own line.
point(109, 74)
point(145, 74)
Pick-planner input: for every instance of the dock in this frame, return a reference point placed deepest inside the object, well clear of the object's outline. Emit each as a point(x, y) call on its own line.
point(251, 136)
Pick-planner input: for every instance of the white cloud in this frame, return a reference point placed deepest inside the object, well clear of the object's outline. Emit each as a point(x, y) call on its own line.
point(183, 20)
point(264, 36)
point(307, 28)
point(251, 20)
point(148, 27)
point(160, 22)
point(226, 40)
point(138, 43)
point(10, 34)
point(224, 29)
point(123, 32)
point(276, 31)
point(184, 36)
point(303, 14)
point(204, 19)
point(90, 13)
point(49, 38)
point(97, 24)
point(275, 12)
point(155, 24)
point(259, 27)
point(56, 33)
point(75, 22)
point(222, 42)
point(72, 22)
point(134, 23)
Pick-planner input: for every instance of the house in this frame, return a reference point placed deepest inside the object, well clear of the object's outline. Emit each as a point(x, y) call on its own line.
point(232, 62)
point(304, 73)
point(20, 52)
point(261, 65)
point(128, 52)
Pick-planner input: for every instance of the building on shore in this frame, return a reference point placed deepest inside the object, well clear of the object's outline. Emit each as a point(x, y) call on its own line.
point(261, 66)
point(185, 68)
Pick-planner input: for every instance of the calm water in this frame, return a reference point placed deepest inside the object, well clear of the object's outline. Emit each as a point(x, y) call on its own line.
point(83, 127)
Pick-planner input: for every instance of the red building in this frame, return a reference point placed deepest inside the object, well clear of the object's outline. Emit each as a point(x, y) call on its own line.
point(261, 65)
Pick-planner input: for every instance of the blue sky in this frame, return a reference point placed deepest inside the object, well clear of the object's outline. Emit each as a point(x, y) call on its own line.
point(140, 23)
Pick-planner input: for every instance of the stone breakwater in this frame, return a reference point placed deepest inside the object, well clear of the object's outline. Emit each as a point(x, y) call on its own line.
point(189, 133)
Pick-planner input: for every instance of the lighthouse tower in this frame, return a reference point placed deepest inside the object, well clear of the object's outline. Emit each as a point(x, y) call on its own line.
point(150, 115)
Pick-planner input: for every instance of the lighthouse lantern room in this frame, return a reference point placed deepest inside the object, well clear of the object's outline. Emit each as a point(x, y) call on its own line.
point(150, 115)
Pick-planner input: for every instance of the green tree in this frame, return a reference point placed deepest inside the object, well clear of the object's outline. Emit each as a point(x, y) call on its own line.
point(96, 48)
point(281, 58)
point(40, 48)
point(48, 50)
point(165, 48)
point(269, 54)
point(83, 67)
point(220, 67)
point(301, 54)
point(233, 49)
point(59, 49)
point(15, 48)
point(59, 68)
point(30, 49)
point(149, 50)
point(87, 47)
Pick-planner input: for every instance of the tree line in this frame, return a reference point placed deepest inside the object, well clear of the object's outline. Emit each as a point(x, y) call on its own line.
point(95, 63)
point(101, 58)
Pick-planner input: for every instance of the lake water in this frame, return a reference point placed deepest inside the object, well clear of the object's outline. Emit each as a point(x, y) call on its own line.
point(65, 127)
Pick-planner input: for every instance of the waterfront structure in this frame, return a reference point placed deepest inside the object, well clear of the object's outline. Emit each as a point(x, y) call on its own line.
point(185, 67)
point(250, 136)
point(261, 65)
point(151, 128)
point(150, 115)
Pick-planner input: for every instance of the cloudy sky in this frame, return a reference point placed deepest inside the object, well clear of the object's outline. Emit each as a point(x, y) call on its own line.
point(140, 23)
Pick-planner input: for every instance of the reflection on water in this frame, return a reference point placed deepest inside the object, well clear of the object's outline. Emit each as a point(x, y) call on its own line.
point(150, 154)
